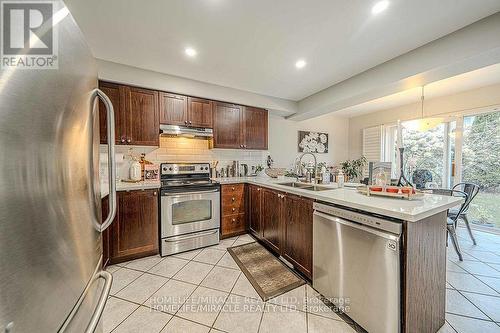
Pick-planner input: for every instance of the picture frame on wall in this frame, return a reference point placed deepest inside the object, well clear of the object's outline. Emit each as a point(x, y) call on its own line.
point(312, 142)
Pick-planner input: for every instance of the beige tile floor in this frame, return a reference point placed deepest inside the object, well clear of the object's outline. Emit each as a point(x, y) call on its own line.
point(205, 291)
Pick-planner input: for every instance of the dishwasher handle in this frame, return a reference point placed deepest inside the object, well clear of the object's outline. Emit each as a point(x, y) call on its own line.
point(371, 230)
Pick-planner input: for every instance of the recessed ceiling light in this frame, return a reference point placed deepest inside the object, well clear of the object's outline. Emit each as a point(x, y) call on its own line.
point(190, 52)
point(380, 6)
point(300, 63)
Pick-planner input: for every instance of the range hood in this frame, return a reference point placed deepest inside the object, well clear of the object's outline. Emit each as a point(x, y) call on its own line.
point(185, 131)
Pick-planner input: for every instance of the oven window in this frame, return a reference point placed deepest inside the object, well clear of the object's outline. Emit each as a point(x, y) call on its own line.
point(191, 211)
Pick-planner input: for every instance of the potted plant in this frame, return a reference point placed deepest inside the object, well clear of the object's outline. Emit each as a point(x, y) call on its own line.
point(258, 170)
point(353, 169)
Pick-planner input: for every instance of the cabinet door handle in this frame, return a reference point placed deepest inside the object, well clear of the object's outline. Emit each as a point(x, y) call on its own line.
point(234, 220)
point(185, 122)
point(258, 189)
point(122, 140)
point(234, 209)
point(232, 188)
point(233, 199)
point(190, 122)
point(155, 193)
point(129, 140)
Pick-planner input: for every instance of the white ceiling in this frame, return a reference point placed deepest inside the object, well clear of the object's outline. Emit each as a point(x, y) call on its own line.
point(472, 80)
point(253, 45)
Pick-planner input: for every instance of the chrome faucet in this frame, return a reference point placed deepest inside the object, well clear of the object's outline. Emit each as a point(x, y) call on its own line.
point(309, 174)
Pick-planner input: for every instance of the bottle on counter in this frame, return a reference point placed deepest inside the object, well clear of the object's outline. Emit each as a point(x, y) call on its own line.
point(135, 170)
point(326, 176)
point(340, 178)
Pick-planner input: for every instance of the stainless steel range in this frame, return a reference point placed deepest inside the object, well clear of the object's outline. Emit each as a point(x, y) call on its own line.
point(189, 207)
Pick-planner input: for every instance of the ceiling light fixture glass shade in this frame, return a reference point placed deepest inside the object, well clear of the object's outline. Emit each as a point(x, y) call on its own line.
point(190, 52)
point(380, 6)
point(300, 63)
point(423, 124)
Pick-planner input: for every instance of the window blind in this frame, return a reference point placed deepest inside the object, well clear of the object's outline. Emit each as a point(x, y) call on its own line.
point(372, 145)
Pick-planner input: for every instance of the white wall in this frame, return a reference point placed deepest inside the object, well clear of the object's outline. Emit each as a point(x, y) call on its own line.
point(452, 104)
point(283, 138)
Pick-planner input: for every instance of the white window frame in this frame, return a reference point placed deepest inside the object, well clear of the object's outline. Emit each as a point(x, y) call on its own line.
point(387, 141)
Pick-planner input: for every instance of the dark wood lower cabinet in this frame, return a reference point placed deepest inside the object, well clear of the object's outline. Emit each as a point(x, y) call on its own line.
point(254, 210)
point(284, 223)
point(271, 218)
point(134, 232)
point(106, 245)
point(233, 218)
point(297, 215)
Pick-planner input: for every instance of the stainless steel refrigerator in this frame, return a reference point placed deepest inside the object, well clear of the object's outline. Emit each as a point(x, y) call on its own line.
point(51, 278)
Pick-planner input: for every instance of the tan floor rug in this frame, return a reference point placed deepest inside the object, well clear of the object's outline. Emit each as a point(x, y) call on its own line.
point(269, 276)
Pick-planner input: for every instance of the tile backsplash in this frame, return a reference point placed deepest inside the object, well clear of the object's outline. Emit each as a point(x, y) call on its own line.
point(182, 150)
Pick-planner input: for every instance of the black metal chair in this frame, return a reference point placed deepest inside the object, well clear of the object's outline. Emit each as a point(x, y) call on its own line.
point(451, 222)
point(472, 190)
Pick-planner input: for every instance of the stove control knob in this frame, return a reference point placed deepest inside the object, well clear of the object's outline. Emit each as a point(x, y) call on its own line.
point(170, 169)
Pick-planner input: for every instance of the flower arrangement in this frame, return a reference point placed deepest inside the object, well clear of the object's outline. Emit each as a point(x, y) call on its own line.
point(313, 142)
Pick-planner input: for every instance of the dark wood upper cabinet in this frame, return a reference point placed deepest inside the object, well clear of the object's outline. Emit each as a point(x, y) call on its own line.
point(227, 125)
point(254, 210)
point(199, 112)
point(240, 127)
point(136, 115)
point(271, 218)
point(297, 232)
point(173, 109)
point(139, 113)
point(255, 125)
point(113, 91)
point(134, 232)
point(144, 124)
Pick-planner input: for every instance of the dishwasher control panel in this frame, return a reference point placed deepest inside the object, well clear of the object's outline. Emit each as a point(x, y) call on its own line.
point(365, 219)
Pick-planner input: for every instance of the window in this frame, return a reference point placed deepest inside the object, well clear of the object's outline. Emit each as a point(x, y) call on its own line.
point(372, 147)
point(390, 151)
point(465, 148)
point(481, 166)
point(428, 155)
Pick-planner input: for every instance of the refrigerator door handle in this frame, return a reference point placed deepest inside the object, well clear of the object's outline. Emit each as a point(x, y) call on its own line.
point(96, 315)
point(111, 159)
point(94, 321)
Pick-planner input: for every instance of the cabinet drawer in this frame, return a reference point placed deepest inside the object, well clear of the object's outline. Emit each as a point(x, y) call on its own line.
point(233, 204)
point(233, 199)
point(233, 224)
point(232, 189)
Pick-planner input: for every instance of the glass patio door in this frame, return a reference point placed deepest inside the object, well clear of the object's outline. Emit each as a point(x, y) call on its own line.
point(481, 166)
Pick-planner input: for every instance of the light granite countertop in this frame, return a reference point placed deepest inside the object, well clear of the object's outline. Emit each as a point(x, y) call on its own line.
point(122, 186)
point(408, 210)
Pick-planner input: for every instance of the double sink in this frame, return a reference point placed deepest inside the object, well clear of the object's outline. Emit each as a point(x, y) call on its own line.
point(303, 186)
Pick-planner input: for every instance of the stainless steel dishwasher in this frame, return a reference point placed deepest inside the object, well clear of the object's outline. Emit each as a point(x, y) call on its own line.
point(356, 265)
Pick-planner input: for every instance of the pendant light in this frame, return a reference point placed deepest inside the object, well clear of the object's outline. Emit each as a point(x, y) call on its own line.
point(423, 124)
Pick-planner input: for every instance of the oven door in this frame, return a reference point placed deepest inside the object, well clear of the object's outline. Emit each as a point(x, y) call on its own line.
point(188, 212)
